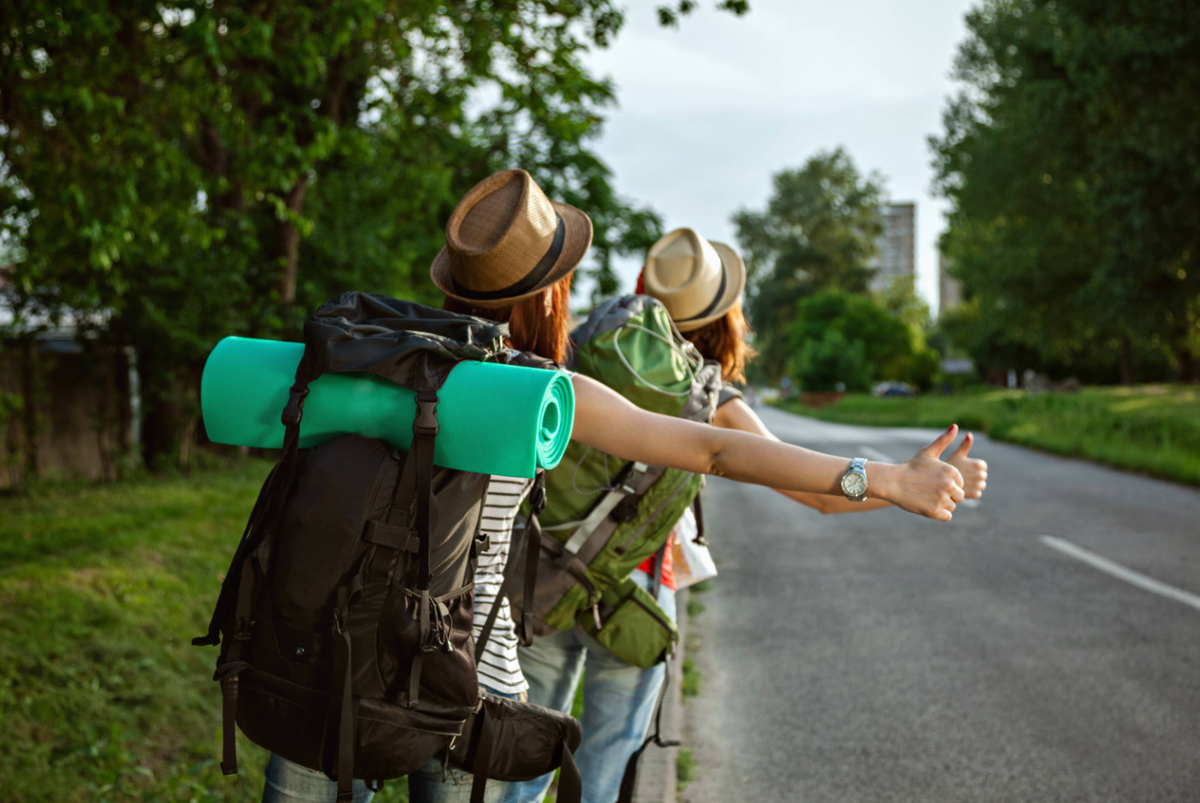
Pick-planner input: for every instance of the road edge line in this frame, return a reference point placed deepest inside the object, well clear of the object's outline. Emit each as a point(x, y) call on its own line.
point(1115, 569)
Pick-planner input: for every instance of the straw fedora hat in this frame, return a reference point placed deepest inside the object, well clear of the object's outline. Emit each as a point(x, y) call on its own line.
point(697, 280)
point(506, 241)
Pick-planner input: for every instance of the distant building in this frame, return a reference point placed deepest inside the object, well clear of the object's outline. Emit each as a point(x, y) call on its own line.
point(949, 288)
point(896, 247)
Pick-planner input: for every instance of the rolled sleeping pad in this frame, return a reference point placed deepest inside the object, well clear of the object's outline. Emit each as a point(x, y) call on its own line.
point(492, 418)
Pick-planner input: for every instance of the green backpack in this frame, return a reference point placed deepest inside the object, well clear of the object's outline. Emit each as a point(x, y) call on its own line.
point(605, 516)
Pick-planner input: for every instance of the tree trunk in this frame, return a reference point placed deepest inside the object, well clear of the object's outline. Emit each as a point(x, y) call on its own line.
point(1126, 360)
point(1185, 365)
point(29, 404)
point(289, 242)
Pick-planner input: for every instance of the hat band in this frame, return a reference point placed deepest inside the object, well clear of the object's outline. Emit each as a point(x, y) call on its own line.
point(531, 279)
point(717, 300)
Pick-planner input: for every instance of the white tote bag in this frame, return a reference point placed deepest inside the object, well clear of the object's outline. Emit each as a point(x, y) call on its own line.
point(693, 562)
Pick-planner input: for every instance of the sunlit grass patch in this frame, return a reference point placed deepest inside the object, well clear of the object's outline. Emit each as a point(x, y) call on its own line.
point(1153, 429)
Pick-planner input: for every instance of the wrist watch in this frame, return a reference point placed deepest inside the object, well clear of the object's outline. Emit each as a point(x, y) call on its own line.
point(854, 481)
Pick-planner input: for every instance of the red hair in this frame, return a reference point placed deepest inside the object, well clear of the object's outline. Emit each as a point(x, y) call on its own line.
point(531, 325)
point(724, 342)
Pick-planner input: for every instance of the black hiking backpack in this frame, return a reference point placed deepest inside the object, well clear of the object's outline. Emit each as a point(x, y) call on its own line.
point(345, 618)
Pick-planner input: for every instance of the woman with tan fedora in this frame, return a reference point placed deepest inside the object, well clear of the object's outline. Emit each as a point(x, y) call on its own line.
point(700, 282)
point(509, 256)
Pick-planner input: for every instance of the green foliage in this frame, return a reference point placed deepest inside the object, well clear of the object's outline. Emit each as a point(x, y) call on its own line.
point(176, 173)
point(831, 362)
point(685, 769)
point(841, 338)
point(691, 678)
point(1151, 428)
point(103, 697)
point(818, 232)
point(1075, 225)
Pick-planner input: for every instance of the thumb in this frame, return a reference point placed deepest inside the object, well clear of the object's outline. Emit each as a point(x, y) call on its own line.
point(939, 445)
point(963, 447)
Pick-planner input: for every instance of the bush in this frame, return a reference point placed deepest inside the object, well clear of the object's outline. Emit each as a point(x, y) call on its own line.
point(833, 359)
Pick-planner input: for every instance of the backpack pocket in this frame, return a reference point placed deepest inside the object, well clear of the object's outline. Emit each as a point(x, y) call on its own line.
point(449, 672)
point(393, 740)
point(528, 741)
point(284, 717)
point(293, 721)
point(632, 625)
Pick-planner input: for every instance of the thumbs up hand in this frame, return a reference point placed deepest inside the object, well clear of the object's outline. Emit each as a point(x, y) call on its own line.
point(926, 485)
point(974, 471)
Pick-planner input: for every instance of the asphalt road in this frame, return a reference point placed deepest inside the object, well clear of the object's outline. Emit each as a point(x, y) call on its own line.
point(883, 657)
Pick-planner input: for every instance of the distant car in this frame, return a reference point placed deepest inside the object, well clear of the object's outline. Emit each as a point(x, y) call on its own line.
point(882, 389)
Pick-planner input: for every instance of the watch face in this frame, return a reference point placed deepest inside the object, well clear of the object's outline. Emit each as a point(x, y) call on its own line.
point(854, 484)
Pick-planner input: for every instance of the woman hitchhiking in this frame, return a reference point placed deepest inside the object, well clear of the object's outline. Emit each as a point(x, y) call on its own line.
point(688, 273)
point(509, 256)
point(700, 283)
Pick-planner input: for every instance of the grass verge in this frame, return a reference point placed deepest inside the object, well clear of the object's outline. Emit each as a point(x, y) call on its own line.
point(101, 590)
point(685, 769)
point(1154, 429)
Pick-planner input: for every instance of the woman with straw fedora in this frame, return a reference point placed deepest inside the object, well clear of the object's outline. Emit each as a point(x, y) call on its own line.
point(700, 282)
point(509, 256)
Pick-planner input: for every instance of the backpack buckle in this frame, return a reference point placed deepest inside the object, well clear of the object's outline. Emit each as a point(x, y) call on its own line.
point(483, 543)
point(241, 631)
point(295, 406)
point(425, 425)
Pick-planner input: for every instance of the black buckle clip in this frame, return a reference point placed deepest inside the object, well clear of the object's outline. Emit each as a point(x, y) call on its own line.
point(537, 499)
point(625, 511)
point(483, 543)
point(425, 425)
point(242, 631)
point(295, 406)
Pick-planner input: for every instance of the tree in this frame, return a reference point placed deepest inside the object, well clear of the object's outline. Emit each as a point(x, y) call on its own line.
point(1074, 190)
point(166, 169)
point(818, 232)
point(889, 343)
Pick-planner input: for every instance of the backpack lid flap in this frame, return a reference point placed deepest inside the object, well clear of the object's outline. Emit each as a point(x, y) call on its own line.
point(407, 343)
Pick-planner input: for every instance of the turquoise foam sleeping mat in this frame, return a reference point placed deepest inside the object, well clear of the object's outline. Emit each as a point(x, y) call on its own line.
point(493, 418)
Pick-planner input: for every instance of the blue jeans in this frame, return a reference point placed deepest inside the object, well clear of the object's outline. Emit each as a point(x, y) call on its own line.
point(287, 782)
point(618, 702)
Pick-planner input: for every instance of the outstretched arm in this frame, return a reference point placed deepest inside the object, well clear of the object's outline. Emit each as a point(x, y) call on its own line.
point(607, 421)
point(736, 414)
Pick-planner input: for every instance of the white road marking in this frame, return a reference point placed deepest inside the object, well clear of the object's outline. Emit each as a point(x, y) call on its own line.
point(1120, 572)
point(874, 454)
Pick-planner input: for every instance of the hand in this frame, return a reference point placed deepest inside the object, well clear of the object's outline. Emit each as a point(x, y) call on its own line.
point(974, 472)
point(924, 485)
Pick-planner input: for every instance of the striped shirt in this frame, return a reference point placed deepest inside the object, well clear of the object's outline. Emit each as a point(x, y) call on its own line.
point(498, 667)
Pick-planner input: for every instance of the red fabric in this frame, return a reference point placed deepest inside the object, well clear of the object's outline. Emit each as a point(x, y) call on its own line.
point(668, 563)
point(641, 283)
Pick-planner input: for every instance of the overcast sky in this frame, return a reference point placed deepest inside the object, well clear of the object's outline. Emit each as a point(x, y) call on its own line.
point(709, 110)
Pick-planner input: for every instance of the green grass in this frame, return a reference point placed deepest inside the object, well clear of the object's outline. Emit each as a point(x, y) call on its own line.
point(1153, 429)
point(103, 697)
point(685, 769)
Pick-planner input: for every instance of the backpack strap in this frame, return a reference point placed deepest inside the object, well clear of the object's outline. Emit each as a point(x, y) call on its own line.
point(698, 512)
point(344, 672)
point(233, 665)
point(483, 752)
point(660, 563)
point(250, 540)
point(531, 538)
point(620, 503)
point(629, 779)
point(425, 430)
